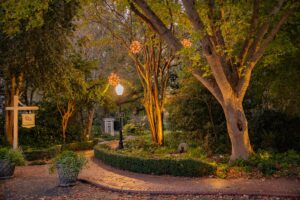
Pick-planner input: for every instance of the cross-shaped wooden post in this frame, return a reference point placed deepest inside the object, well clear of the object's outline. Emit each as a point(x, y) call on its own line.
point(15, 110)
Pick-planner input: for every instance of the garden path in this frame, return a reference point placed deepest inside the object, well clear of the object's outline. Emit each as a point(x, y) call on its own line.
point(107, 177)
point(34, 182)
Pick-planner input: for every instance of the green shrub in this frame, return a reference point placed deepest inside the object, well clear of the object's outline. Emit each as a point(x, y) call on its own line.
point(267, 167)
point(272, 130)
point(13, 156)
point(269, 163)
point(133, 128)
point(69, 160)
point(161, 166)
point(38, 163)
point(79, 146)
point(41, 154)
point(48, 153)
point(289, 157)
point(140, 143)
point(108, 137)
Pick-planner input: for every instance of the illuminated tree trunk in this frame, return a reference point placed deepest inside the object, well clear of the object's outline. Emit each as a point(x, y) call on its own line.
point(160, 127)
point(66, 115)
point(89, 123)
point(154, 115)
point(154, 75)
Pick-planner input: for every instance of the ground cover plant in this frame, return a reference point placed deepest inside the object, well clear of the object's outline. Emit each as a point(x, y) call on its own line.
point(260, 164)
point(12, 156)
point(9, 158)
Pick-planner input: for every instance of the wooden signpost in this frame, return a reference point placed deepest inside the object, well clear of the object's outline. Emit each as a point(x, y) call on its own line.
point(15, 110)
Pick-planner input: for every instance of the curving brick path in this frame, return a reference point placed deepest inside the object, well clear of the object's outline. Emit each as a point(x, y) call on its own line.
point(34, 182)
point(107, 177)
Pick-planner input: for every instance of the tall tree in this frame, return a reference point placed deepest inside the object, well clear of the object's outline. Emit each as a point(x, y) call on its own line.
point(232, 40)
point(153, 68)
point(33, 40)
point(149, 55)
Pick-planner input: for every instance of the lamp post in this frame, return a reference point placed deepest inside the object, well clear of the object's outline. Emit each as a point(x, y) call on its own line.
point(119, 90)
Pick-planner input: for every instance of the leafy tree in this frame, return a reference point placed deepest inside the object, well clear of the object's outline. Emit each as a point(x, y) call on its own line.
point(231, 40)
point(33, 40)
point(66, 93)
point(195, 114)
point(96, 88)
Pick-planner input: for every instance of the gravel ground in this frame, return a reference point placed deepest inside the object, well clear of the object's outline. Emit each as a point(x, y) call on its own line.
point(47, 189)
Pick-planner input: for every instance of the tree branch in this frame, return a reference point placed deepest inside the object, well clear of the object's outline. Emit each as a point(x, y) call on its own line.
point(159, 26)
point(210, 84)
point(263, 30)
point(218, 65)
point(244, 82)
point(249, 39)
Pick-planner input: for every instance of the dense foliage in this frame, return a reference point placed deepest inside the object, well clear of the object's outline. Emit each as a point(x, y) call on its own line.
point(32, 153)
point(61, 64)
point(15, 157)
point(69, 161)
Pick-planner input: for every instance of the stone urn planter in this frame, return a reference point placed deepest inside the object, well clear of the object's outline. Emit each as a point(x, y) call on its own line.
point(67, 177)
point(68, 165)
point(7, 169)
point(9, 158)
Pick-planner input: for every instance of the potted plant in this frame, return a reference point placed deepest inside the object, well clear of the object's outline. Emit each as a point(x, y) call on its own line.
point(68, 165)
point(9, 158)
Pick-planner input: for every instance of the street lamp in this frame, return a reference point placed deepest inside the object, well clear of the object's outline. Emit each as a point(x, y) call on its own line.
point(119, 90)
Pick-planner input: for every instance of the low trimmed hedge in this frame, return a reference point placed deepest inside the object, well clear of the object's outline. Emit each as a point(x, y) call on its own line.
point(162, 166)
point(41, 154)
point(51, 152)
point(80, 146)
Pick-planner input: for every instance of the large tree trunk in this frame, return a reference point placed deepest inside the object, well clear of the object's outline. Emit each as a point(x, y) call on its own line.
point(237, 128)
point(89, 123)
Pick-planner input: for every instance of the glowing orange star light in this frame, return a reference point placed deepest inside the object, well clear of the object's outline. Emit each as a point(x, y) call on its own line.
point(135, 47)
point(113, 79)
point(186, 43)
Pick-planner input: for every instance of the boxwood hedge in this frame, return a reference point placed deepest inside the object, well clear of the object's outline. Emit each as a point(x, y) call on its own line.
point(41, 154)
point(47, 153)
point(159, 166)
point(80, 146)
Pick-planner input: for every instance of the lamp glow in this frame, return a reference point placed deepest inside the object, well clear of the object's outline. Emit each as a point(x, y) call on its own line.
point(119, 89)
